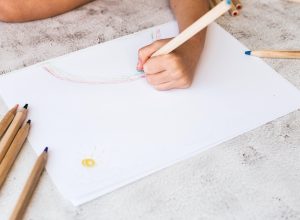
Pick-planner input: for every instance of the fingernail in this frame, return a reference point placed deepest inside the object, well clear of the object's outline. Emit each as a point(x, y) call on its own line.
point(138, 67)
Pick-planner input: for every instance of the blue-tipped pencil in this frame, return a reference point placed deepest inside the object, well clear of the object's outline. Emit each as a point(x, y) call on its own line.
point(233, 11)
point(275, 54)
point(30, 186)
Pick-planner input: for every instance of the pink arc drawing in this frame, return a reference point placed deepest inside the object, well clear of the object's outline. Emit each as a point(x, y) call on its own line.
point(63, 75)
point(71, 78)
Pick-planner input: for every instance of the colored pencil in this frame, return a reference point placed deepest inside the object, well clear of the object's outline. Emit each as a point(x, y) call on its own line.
point(13, 152)
point(7, 119)
point(275, 54)
point(237, 4)
point(216, 2)
point(12, 131)
point(233, 10)
point(193, 29)
point(30, 186)
point(211, 4)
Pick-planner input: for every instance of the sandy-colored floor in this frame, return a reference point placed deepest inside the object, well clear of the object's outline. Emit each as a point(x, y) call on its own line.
point(254, 176)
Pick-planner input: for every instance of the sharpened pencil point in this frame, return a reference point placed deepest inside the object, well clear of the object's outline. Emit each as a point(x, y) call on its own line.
point(29, 121)
point(25, 106)
point(248, 52)
point(46, 149)
point(15, 109)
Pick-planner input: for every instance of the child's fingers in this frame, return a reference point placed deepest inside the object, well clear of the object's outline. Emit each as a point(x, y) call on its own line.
point(145, 53)
point(165, 86)
point(180, 84)
point(166, 81)
point(159, 78)
point(155, 65)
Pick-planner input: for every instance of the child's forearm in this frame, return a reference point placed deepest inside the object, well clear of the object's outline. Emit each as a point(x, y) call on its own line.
point(186, 13)
point(27, 10)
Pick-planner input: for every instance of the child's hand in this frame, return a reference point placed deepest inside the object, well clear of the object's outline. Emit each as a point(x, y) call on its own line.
point(171, 71)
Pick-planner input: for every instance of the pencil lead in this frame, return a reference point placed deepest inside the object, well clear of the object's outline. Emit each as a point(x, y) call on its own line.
point(248, 52)
point(29, 121)
point(25, 106)
point(46, 149)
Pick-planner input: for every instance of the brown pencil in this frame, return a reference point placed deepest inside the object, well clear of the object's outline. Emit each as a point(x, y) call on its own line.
point(275, 54)
point(211, 4)
point(215, 2)
point(30, 186)
point(237, 4)
point(13, 152)
point(12, 131)
point(7, 119)
point(233, 10)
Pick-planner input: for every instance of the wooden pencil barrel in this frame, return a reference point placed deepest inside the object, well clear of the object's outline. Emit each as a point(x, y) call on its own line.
point(277, 54)
point(11, 132)
point(7, 119)
point(237, 4)
point(29, 188)
point(13, 152)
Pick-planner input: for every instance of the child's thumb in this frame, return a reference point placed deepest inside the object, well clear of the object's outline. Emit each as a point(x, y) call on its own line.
point(145, 53)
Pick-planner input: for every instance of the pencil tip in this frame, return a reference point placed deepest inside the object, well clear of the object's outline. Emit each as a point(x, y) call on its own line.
point(25, 106)
point(14, 109)
point(140, 71)
point(46, 149)
point(248, 52)
point(29, 121)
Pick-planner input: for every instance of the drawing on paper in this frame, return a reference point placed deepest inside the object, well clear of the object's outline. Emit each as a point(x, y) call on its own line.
point(64, 75)
point(156, 35)
point(101, 79)
point(88, 162)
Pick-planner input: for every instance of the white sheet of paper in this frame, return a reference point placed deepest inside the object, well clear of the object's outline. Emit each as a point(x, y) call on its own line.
point(132, 130)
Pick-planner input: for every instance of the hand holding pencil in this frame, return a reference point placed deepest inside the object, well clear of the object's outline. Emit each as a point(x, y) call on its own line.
point(171, 63)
